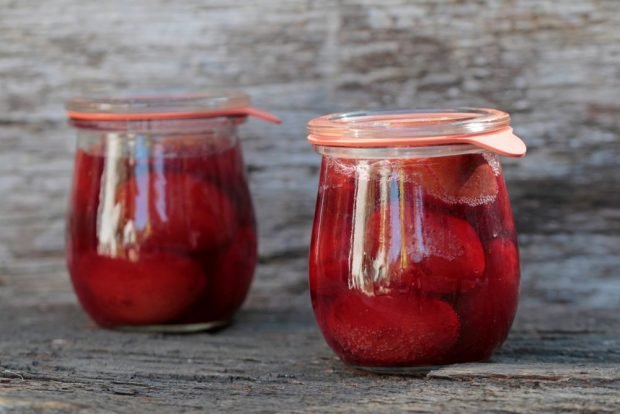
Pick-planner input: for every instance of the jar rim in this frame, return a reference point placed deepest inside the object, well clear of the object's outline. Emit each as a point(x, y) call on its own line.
point(484, 127)
point(152, 105)
point(385, 153)
point(174, 106)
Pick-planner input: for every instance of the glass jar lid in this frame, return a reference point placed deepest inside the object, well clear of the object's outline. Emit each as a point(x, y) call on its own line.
point(485, 128)
point(162, 107)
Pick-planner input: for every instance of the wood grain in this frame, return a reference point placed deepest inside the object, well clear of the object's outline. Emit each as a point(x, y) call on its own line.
point(553, 65)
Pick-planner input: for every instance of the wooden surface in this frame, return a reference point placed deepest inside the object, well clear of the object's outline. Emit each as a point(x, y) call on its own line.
point(552, 64)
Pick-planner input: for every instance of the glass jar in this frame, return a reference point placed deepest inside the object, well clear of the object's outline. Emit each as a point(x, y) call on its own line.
point(414, 259)
point(161, 233)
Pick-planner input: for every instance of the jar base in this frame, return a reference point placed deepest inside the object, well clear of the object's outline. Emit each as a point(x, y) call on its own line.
point(172, 328)
point(421, 370)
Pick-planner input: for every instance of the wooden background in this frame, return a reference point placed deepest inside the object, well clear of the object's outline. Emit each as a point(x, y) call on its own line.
point(554, 65)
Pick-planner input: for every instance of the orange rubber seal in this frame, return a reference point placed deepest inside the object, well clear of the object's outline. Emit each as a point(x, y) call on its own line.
point(147, 107)
point(103, 116)
point(485, 128)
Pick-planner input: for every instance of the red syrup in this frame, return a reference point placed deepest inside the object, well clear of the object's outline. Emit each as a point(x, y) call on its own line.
point(167, 237)
point(413, 262)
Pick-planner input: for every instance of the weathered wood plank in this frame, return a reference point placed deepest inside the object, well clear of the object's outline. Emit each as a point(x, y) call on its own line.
point(553, 65)
point(562, 354)
point(275, 360)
